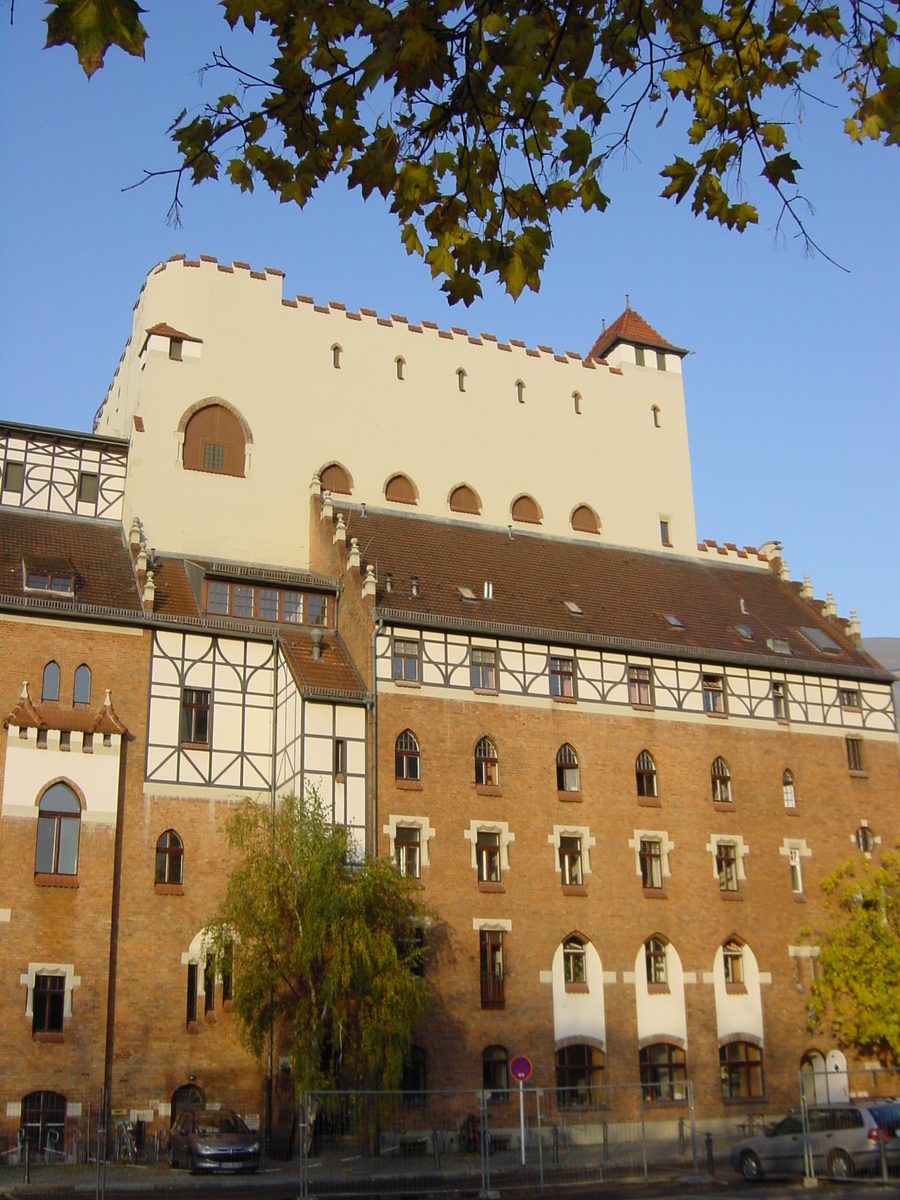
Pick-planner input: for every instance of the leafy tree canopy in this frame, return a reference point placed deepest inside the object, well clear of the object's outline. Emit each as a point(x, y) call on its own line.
point(323, 946)
point(478, 120)
point(860, 960)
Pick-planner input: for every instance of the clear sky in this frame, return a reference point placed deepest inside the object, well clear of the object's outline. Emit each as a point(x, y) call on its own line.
point(792, 392)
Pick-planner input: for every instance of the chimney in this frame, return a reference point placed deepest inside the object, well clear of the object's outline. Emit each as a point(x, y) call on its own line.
point(353, 556)
point(340, 530)
point(806, 591)
point(315, 636)
point(149, 592)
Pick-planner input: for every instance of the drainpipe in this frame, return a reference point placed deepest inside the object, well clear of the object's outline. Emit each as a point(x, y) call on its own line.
point(270, 1064)
point(374, 702)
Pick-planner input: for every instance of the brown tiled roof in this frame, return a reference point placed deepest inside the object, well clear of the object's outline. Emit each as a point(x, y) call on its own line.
point(51, 715)
point(624, 594)
point(631, 327)
point(332, 673)
point(164, 330)
point(174, 596)
point(96, 551)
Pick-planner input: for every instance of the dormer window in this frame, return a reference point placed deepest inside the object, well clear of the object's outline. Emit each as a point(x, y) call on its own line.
point(176, 345)
point(639, 355)
point(56, 577)
point(660, 361)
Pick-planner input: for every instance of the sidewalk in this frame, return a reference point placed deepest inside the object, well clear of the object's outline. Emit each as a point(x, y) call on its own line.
point(149, 1178)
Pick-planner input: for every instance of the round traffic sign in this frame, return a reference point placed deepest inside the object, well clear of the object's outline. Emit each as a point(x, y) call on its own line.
point(520, 1068)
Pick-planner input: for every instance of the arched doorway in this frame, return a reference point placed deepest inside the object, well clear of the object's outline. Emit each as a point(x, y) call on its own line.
point(44, 1121)
point(813, 1078)
point(837, 1077)
point(187, 1096)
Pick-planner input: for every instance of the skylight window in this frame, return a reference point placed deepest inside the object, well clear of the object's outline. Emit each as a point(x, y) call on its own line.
point(820, 639)
point(673, 620)
point(745, 631)
point(779, 645)
point(574, 609)
point(466, 593)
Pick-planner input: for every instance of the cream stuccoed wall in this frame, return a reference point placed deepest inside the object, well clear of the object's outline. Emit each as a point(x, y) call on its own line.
point(273, 362)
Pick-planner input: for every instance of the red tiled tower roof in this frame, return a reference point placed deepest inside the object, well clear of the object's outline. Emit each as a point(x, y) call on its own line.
point(631, 327)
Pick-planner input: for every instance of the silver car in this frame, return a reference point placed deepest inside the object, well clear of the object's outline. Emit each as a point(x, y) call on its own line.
point(845, 1140)
point(212, 1140)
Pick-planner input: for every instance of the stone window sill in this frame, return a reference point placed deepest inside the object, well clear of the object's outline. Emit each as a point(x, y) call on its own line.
point(564, 699)
point(194, 745)
point(736, 1101)
point(59, 881)
point(718, 716)
point(719, 806)
point(859, 774)
point(735, 989)
point(210, 1017)
point(658, 989)
point(730, 895)
point(487, 886)
point(574, 889)
point(581, 988)
point(410, 683)
point(486, 691)
point(799, 898)
point(168, 889)
point(49, 1036)
point(791, 812)
point(227, 1005)
point(488, 789)
point(644, 707)
point(655, 893)
point(192, 1027)
point(569, 797)
point(649, 802)
point(409, 785)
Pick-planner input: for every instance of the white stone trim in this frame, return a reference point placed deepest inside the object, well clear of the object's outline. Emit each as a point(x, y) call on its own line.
point(426, 832)
point(728, 839)
point(804, 951)
point(73, 1110)
point(5, 916)
point(609, 977)
point(501, 827)
point(546, 977)
point(580, 831)
point(500, 924)
point(765, 977)
point(27, 981)
point(629, 977)
point(14, 1108)
point(689, 977)
point(789, 844)
point(666, 848)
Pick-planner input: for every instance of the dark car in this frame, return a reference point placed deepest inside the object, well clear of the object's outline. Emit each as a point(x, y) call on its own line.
point(845, 1140)
point(207, 1139)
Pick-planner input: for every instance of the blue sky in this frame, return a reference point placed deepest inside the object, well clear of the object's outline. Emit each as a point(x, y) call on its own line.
point(791, 389)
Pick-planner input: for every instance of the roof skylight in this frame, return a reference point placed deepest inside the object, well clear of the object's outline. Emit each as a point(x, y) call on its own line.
point(466, 593)
point(574, 609)
point(820, 639)
point(778, 645)
point(674, 621)
point(745, 631)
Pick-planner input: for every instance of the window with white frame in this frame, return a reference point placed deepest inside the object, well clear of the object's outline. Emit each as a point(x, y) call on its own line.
point(409, 836)
point(787, 789)
point(490, 849)
point(714, 694)
point(796, 872)
point(651, 855)
point(728, 852)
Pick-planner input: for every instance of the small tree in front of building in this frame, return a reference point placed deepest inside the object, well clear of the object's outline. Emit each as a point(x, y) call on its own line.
point(324, 947)
point(858, 990)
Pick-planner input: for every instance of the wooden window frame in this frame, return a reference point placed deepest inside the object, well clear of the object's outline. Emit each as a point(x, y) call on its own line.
point(663, 1082)
point(571, 867)
point(483, 668)
point(408, 851)
point(406, 651)
point(714, 695)
point(562, 672)
point(650, 853)
point(169, 856)
point(733, 962)
point(193, 705)
point(407, 754)
point(566, 764)
point(645, 775)
point(655, 961)
point(720, 779)
point(640, 686)
point(487, 855)
point(727, 866)
point(48, 1007)
point(56, 817)
point(738, 1066)
point(491, 959)
point(579, 1083)
point(487, 764)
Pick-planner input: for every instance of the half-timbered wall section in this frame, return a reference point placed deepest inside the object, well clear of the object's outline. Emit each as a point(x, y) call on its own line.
point(62, 473)
point(601, 679)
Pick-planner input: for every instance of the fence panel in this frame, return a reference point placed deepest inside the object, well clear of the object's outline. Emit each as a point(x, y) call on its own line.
point(851, 1121)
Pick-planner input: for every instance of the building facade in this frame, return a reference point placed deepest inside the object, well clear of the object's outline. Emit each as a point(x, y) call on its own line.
point(276, 562)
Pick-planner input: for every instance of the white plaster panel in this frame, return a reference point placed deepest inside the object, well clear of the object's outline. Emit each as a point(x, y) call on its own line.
point(200, 675)
point(319, 718)
point(431, 673)
point(660, 1016)
point(257, 731)
point(195, 646)
point(28, 770)
point(350, 721)
point(322, 783)
point(318, 754)
point(738, 1013)
point(355, 798)
point(227, 720)
point(356, 757)
point(579, 1014)
point(226, 770)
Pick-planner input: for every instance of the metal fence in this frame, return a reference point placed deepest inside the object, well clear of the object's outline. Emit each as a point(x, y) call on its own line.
point(850, 1121)
point(369, 1142)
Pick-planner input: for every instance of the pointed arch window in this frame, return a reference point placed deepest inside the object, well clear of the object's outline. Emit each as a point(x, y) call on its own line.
point(576, 397)
point(400, 363)
point(487, 766)
point(58, 832)
point(169, 867)
point(733, 961)
point(520, 391)
point(865, 839)
point(81, 690)
point(50, 682)
point(406, 756)
point(214, 441)
point(464, 499)
point(645, 775)
point(335, 479)
point(527, 510)
point(461, 379)
point(787, 789)
point(401, 489)
point(568, 776)
point(336, 353)
point(574, 961)
point(720, 776)
point(655, 960)
point(585, 520)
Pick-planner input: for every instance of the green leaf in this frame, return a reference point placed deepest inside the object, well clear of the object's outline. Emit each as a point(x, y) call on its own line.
point(782, 167)
point(92, 26)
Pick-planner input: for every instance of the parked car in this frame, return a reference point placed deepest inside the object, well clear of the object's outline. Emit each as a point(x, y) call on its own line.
point(844, 1138)
point(206, 1139)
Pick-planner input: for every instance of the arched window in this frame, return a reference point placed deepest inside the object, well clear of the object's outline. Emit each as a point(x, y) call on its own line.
point(50, 683)
point(655, 411)
point(645, 775)
point(787, 789)
point(576, 396)
point(585, 520)
point(464, 499)
point(865, 839)
point(336, 480)
point(81, 692)
point(336, 353)
point(527, 510)
point(733, 961)
point(663, 1071)
point(574, 967)
point(461, 379)
point(520, 391)
point(721, 782)
point(44, 1121)
point(401, 489)
point(655, 959)
point(579, 1074)
point(413, 1082)
point(487, 769)
point(188, 1096)
point(741, 1070)
point(215, 441)
point(58, 832)
point(169, 858)
point(406, 756)
point(400, 363)
point(494, 1068)
point(568, 777)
